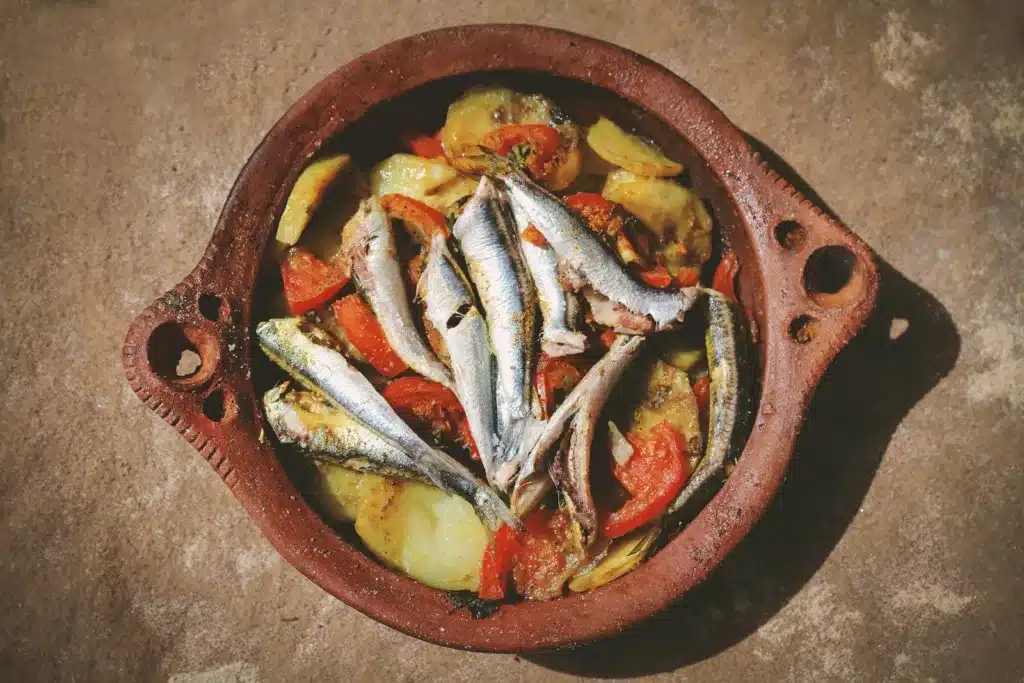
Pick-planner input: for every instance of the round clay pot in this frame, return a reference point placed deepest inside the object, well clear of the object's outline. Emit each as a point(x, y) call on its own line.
point(807, 283)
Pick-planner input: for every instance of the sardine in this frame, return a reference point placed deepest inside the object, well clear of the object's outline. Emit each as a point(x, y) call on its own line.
point(311, 356)
point(578, 412)
point(727, 407)
point(491, 247)
point(325, 431)
point(369, 246)
point(585, 261)
point(451, 309)
point(558, 306)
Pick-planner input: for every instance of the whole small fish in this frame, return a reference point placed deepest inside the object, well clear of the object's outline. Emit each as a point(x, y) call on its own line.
point(491, 247)
point(727, 395)
point(324, 431)
point(369, 246)
point(578, 412)
point(451, 309)
point(585, 261)
point(558, 307)
point(311, 357)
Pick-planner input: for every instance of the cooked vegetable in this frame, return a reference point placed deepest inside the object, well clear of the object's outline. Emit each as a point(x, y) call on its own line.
point(624, 556)
point(306, 195)
point(654, 476)
point(431, 181)
point(559, 374)
point(422, 221)
point(338, 490)
point(308, 281)
point(474, 119)
point(683, 358)
point(546, 557)
point(364, 332)
point(658, 276)
point(496, 568)
point(431, 407)
point(619, 445)
point(663, 394)
point(702, 394)
point(433, 537)
point(630, 152)
point(725, 275)
point(426, 146)
point(675, 215)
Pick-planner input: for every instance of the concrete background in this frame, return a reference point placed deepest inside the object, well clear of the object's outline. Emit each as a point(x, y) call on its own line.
point(893, 552)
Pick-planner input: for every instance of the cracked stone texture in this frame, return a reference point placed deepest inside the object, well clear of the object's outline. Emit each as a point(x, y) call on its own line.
point(893, 551)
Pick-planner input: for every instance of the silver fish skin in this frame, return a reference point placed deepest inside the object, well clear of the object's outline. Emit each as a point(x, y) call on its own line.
point(369, 246)
point(586, 399)
point(491, 247)
point(451, 309)
point(326, 432)
point(311, 357)
point(720, 341)
point(586, 259)
point(558, 307)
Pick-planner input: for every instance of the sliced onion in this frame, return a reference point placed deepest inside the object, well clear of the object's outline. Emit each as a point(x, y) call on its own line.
point(622, 451)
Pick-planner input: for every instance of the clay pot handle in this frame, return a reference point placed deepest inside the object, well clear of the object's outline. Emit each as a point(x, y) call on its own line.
point(186, 356)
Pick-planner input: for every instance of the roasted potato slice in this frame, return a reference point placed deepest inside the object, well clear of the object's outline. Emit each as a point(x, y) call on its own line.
point(630, 152)
point(483, 110)
point(306, 195)
point(339, 489)
point(434, 537)
point(665, 395)
point(674, 214)
point(431, 181)
point(623, 556)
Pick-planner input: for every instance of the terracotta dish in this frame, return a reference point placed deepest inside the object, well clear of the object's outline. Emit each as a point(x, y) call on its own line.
point(807, 283)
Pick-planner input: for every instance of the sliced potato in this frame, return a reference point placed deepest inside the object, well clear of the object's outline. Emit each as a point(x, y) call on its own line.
point(673, 213)
point(433, 537)
point(630, 152)
point(485, 109)
point(665, 395)
point(339, 490)
point(623, 556)
point(306, 195)
point(683, 358)
point(431, 181)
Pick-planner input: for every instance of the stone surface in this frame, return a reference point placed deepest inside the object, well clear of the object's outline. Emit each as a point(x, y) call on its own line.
point(893, 550)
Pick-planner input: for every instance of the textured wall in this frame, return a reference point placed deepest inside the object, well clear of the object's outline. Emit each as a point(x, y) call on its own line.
point(893, 552)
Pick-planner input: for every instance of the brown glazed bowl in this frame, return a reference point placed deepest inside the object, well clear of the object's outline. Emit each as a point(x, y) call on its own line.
point(806, 281)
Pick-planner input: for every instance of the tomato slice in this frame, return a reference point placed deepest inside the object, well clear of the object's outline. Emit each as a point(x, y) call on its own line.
point(427, 146)
point(725, 275)
point(429, 405)
point(308, 281)
point(365, 333)
point(543, 141)
point(499, 556)
point(654, 476)
point(687, 277)
point(555, 374)
point(587, 202)
point(422, 221)
point(539, 570)
point(608, 338)
point(658, 276)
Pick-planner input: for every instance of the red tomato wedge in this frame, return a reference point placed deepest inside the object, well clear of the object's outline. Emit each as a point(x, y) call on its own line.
point(543, 142)
point(365, 333)
point(496, 567)
point(654, 476)
point(427, 146)
point(308, 281)
point(687, 277)
point(430, 405)
point(725, 275)
point(657, 276)
point(422, 221)
point(539, 570)
point(555, 374)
